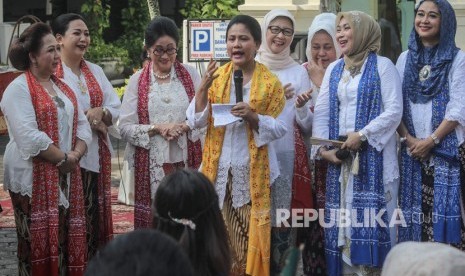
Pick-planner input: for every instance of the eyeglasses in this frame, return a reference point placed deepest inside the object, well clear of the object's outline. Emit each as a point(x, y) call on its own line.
point(277, 30)
point(161, 51)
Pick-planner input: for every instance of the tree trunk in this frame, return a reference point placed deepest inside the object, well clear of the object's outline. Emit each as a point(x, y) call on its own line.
point(154, 8)
point(333, 6)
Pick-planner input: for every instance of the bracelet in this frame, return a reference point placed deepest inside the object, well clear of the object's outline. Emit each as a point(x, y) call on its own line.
point(62, 161)
point(105, 111)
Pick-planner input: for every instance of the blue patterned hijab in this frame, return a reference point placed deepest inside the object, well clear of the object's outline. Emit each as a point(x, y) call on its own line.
point(446, 221)
point(439, 57)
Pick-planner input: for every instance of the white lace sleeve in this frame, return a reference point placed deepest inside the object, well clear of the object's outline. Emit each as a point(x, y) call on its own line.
point(320, 125)
point(197, 120)
point(455, 110)
point(84, 131)
point(304, 116)
point(19, 112)
point(129, 126)
point(400, 65)
point(110, 99)
point(270, 129)
point(381, 129)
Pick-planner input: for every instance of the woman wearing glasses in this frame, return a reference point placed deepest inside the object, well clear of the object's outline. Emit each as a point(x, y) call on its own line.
point(292, 189)
point(153, 115)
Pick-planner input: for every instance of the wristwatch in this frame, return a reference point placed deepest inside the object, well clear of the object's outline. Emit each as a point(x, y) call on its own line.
point(435, 139)
point(363, 138)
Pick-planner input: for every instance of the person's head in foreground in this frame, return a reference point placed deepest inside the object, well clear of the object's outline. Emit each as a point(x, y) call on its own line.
point(186, 208)
point(140, 253)
point(424, 258)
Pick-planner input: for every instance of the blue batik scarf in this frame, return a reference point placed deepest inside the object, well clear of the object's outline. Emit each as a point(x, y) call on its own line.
point(369, 245)
point(446, 205)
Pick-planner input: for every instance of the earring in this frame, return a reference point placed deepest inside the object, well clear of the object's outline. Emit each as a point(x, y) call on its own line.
point(35, 64)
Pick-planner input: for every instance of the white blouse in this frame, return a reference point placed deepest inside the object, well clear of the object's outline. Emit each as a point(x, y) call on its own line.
point(167, 103)
point(26, 141)
point(381, 131)
point(298, 77)
point(455, 110)
point(235, 151)
point(90, 160)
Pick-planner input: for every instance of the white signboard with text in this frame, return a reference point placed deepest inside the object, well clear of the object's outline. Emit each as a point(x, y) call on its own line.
point(207, 39)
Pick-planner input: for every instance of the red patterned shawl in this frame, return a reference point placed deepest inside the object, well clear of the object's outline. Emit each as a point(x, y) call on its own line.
point(302, 197)
point(45, 193)
point(104, 177)
point(142, 201)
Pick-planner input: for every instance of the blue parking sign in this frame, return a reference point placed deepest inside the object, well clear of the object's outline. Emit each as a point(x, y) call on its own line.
point(202, 40)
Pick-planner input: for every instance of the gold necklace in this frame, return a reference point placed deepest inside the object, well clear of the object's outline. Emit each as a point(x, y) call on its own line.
point(82, 86)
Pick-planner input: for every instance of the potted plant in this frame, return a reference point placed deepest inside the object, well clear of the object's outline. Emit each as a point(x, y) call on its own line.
point(110, 57)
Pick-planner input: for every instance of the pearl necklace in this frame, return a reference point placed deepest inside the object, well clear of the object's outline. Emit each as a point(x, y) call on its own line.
point(162, 77)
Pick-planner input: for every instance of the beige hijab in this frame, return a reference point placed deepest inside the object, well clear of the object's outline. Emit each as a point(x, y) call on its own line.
point(366, 39)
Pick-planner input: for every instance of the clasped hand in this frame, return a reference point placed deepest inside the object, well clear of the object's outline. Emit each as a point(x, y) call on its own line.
point(71, 163)
point(171, 131)
point(419, 149)
point(95, 118)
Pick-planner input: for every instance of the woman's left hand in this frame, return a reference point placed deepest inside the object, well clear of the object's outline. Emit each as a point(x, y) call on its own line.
point(95, 117)
point(244, 111)
point(176, 131)
point(353, 142)
point(288, 91)
point(303, 98)
point(421, 150)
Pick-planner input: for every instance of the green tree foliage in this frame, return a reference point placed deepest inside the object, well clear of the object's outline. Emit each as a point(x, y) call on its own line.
point(135, 21)
point(97, 15)
point(211, 9)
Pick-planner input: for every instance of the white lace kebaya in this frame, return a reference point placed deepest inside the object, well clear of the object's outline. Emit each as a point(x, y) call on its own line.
point(234, 156)
point(167, 103)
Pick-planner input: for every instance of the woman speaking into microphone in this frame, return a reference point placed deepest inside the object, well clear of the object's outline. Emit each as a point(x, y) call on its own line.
point(242, 174)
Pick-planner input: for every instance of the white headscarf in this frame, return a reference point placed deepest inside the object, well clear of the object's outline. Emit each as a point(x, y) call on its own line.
point(281, 60)
point(424, 258)
point(326, 22)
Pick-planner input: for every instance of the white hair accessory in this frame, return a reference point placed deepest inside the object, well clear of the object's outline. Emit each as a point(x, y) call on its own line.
point(183, 221)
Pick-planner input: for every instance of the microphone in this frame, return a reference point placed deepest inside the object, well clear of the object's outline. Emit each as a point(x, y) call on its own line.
point(238, 82)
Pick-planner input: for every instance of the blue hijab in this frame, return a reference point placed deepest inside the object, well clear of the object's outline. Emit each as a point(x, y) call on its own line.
point(446, 211)
point(439, 58)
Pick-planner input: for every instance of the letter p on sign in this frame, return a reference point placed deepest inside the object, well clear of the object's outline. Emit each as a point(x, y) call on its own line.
point(202, 40)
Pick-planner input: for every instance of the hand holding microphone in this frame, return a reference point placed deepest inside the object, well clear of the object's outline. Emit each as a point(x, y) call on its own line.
point(238, 83)
point(242, 109)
